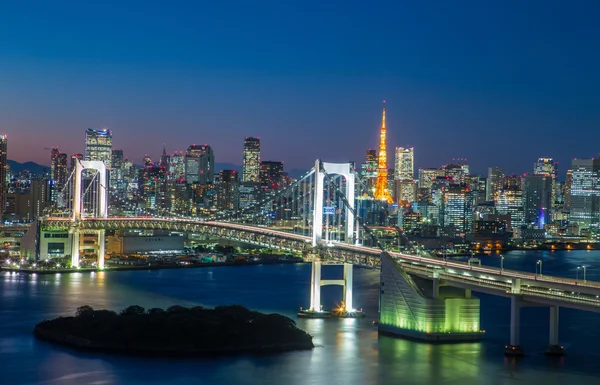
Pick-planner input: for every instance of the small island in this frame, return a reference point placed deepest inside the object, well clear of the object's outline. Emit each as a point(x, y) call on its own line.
point(176, 331)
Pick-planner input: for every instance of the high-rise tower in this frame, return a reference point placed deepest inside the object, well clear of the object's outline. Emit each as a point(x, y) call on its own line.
point(382, 191)
point(251, 161)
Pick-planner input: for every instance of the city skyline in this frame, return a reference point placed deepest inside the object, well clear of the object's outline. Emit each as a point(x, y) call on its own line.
point(503, 97)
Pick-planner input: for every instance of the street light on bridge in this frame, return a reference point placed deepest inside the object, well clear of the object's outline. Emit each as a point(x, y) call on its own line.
point(501, 262)
point(539, 262)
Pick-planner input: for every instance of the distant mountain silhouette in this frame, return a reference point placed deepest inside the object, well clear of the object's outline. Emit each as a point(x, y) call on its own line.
point(38, 169)
point(34, 168)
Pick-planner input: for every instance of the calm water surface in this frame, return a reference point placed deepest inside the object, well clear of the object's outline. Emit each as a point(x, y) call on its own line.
point(349, 351)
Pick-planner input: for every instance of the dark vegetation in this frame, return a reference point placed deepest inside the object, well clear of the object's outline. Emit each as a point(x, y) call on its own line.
point(175, 331)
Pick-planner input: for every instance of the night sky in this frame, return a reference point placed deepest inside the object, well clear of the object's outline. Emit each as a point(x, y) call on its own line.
point(496, 82)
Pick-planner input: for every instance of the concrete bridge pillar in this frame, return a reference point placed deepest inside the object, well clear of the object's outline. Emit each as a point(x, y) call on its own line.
point(315, 285)
point(101, 248)
point(553, 346)
point(75, 249)
point(514, 348)
point(348, 286)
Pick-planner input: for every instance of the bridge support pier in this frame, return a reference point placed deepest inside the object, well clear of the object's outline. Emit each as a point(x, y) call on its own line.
point(554, 348)
point(316, 309)
point(514, 348)
point(315, 286)
point(75, 249)
point(348, 286)
point(101, 248)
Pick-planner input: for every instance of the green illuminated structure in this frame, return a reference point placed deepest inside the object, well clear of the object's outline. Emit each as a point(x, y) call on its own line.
point(418, 308)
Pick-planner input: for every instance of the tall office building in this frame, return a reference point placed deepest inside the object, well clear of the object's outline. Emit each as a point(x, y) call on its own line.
point(154, 189)
point(566, 189)
point(495, 183)
point(54, 153)
point(537, 190)
point(116, 174)
point(428, 175)
point(98, 146)
point(511, 202)
point(369, 169)
point(457, 208)
point(547, 167)
point(251, 161)
point(271, 175)
point(227, 190)
point(585, 193)
point(456, 172)
point(404, 164)
point(59, 175)
point(177, 166)
point(3, 174)
point(199, 164)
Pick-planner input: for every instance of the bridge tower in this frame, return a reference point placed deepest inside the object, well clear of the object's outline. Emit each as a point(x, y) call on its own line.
point(346, 170)
point(99, 202)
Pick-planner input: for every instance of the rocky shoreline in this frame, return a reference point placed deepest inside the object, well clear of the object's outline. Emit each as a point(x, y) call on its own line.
point(176, 331)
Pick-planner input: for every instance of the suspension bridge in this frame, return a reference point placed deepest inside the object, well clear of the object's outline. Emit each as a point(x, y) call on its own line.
point(327, 216)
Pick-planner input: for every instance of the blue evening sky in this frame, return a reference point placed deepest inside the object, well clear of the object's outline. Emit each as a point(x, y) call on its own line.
point(499, 83)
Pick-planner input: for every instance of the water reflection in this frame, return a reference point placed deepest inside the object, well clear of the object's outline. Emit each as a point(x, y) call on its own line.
point(349, 351)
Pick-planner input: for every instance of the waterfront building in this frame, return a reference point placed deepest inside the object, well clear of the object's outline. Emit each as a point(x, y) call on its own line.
point(547, 167)
point(251, 161)
point(585, 193)
point(511, 202)
point(566, 189)
point(538, 199)
point(457, 208)
point(199, 164)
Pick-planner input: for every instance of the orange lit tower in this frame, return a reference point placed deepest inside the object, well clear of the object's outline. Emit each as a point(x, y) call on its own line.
point(381, 185)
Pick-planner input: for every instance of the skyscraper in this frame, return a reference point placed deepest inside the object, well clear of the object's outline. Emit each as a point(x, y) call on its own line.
point(369, 169)
point(227, 190)
point(177, 166)
point(199, 164)
point(495, 183)
point(585, 193)
point(251, 161)
point(404, 164)
point(59, 174)
point(382, 191)
point(3, 173)
point(538, 199)
point(271, 174)
point(116, 174)
point(457, 208)
point(98, 146)
point(547, 167)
